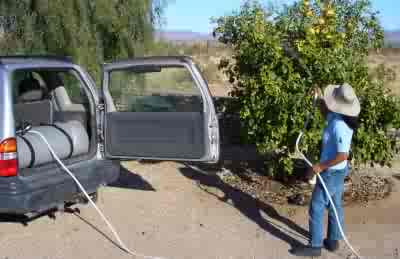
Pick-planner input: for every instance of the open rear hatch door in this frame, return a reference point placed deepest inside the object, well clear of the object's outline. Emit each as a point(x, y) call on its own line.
point(158, 108)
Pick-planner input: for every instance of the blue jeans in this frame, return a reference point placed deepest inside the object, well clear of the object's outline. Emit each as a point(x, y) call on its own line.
point(334, 181)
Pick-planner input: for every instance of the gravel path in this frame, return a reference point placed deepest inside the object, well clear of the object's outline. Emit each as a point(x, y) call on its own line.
point(170, 210)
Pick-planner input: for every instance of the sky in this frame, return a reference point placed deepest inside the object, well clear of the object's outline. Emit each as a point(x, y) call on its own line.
point(194, 15)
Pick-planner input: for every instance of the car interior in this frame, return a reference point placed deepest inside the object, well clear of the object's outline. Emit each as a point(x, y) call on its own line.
point(42, 100)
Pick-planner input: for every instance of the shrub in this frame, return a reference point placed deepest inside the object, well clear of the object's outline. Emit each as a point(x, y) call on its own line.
point(279, 56)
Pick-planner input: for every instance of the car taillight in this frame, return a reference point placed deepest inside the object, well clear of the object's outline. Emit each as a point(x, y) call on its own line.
point(8, 158)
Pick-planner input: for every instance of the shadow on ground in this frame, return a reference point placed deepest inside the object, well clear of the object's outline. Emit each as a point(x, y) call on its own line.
point(28, 218)
point(95, 228)
point(21, 219)
point(130, 180)
point(250, 207)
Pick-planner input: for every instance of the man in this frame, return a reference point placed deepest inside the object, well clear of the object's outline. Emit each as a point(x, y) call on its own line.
point(340, 107)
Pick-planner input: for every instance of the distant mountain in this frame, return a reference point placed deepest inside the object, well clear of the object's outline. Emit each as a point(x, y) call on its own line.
point(391, 37)
point(182, 36)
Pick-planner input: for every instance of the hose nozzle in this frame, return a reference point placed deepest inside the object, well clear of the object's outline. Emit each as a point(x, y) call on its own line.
point(315, 99)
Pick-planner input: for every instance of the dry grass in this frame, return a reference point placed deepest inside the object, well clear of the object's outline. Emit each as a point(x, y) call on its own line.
point(390, 58)
point(209, 58)
point(208, 55)
point(218, 82)
point(220, 86)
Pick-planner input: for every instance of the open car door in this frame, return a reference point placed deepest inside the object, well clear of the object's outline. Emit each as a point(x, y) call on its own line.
point(158, 108)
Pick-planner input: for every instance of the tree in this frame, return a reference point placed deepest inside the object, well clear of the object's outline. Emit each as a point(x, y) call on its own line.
point(90, 31)
point(279, 56)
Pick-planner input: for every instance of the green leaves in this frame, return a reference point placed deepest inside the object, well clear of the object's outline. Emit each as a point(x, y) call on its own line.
point(91, 31)
point(277, 60)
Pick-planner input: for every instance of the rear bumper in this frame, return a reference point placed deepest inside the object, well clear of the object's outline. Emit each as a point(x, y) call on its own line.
point(38, 193)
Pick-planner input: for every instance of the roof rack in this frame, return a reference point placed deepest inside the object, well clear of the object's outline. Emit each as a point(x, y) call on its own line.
point(51, 57)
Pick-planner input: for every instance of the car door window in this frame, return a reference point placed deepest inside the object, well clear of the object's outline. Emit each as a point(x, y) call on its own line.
point(166, 89)
point(20, 75)
point(73, 87)
point(17, 78)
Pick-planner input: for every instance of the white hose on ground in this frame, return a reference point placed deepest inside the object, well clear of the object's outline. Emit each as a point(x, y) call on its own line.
point(323, 184)
point(110, 226)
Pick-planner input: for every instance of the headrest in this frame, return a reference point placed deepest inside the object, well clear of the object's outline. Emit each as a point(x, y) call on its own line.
point(30, 90)
point(31, 96)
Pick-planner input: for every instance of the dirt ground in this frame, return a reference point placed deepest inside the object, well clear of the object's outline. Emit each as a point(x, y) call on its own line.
point(174, 212)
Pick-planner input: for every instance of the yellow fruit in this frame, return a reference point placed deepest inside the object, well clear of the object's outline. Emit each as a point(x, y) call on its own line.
point(306, 3)
point(311, 31)
point(327, 5)
point(309, 13)
point(321, 21)
point(329, 36)
point(330, 13)
point(343, 35)
point(317, 30)
point(350, 25)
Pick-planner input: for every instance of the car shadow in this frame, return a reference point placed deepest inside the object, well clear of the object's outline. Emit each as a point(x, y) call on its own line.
point(129, 180)
point(21, 219)
point(26, 219)
point(95, 228)
point(250, 207)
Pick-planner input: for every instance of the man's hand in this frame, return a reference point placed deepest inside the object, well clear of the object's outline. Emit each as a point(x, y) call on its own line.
point(321, 167)
point(316, 169)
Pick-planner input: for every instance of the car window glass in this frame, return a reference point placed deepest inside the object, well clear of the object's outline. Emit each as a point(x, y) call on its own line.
point(165, 89)
point(73, 86)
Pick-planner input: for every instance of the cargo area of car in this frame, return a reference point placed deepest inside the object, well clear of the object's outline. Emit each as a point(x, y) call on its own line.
point(57, 104)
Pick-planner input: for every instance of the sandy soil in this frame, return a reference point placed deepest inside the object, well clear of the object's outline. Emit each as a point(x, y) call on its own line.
point(169, 210)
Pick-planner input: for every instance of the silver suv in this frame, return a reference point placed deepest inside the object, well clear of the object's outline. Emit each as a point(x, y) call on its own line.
point(147, 108)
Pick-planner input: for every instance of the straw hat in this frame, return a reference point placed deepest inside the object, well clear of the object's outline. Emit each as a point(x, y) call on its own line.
point(342, 99)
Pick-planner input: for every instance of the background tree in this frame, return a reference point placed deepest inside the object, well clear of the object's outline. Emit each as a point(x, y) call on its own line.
point(279, 56)
point(90, 31)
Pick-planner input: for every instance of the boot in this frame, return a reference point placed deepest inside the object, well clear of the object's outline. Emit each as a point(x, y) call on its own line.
point(331, 245)
point(307, 251)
